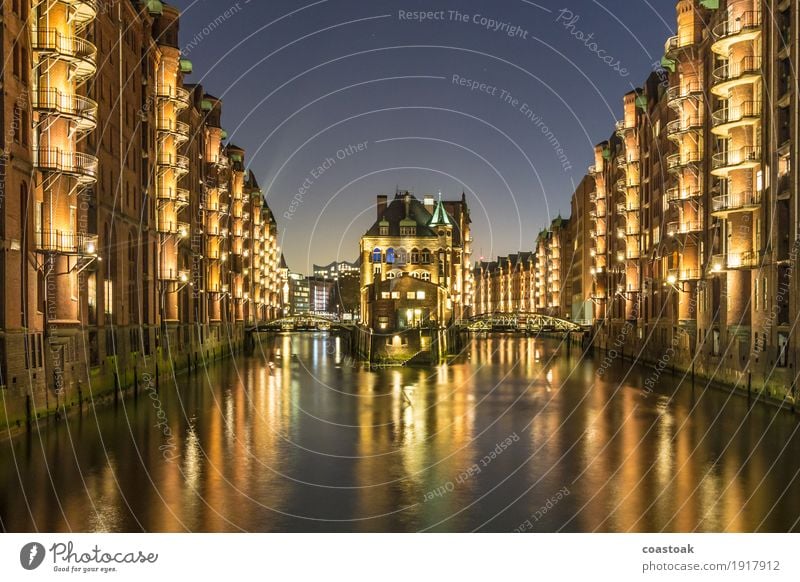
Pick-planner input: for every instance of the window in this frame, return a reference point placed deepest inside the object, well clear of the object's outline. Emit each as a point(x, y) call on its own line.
point(390, 256)
point(384, 230)
point(376, 255)
point(426, 256)
point(414, 256)
point(395, 295)
point(420, 295)
point(411, 295)
point(425, 276)
point(408, 231)
point(385, 295)
point(401, 257)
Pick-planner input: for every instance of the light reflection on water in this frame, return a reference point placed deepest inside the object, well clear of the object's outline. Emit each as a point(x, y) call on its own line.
point(318, 444)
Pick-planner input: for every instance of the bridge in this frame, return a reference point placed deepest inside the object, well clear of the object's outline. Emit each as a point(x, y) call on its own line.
point(521, 322)
point(301, 322)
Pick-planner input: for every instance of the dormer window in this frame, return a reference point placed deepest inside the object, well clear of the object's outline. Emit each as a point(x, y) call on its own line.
point(408, 231)
point(384, 230)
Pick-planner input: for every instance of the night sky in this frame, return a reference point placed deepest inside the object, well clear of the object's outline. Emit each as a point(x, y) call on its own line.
point(306, 81)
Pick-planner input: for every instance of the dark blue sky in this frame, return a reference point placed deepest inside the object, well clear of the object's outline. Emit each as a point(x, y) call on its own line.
point(302, 80)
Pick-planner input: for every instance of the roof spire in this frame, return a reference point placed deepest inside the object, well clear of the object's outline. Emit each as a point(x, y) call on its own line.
point(440, 216)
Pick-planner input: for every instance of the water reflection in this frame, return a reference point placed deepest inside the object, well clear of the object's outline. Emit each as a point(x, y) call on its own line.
point(315, 443)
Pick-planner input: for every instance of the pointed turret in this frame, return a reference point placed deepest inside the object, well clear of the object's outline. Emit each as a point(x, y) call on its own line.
point(440, 216)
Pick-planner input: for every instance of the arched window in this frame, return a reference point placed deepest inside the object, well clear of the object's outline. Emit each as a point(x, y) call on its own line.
point(390, 256)
point(425, 276)
point(414, 256)
point(401, 256)
point(426, 256)
point(376, 255)
point(390, 275)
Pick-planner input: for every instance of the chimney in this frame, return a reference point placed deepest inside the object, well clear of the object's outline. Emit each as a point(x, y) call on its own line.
point(381, 204)
point(428, 202)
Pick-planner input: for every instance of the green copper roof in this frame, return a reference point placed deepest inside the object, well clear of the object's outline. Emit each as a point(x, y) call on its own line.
point(440, 216)
point(668, 64)
point(711, 4)
point(641, 102)
point(224, 134)
point(186, 66)
point(206, 105)
point(155, 7)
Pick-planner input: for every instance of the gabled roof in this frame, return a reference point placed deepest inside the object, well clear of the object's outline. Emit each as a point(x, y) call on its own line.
point(395, 213)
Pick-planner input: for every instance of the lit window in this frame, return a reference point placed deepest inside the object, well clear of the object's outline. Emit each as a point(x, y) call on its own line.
point(390, 256)
point(384, 295)
point(420, 295)
point(395, 295)
point(376, 255)
point(410, 295)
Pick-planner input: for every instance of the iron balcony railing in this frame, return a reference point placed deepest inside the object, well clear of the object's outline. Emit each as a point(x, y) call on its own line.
point(81, 109)
point(740, 200)
point(680, 161)
point(731, 261)
point(176, 162)
point(79, 52)
point(684, 227)
point(733, 114)
point(66, 242)
point(732, 71)
point(679, 126)
point(678, 93)
point(731, 159)
point(82, 166)
point(685, 274)
point(178, 95)
point(744, 23)
point(678, 195)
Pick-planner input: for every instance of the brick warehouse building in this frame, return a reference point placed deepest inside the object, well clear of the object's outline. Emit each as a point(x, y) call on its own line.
point(415, 271)
point(133, 238)
point(692, 203)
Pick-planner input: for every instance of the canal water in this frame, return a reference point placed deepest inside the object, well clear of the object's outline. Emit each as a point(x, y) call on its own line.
point(517, 434)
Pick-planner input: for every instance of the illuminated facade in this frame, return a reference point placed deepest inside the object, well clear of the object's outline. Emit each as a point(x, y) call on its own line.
point(695, 201)
point(427, 241)
point(145, 243)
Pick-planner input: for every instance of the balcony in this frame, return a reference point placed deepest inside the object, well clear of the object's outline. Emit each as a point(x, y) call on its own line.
point(679, 162)
point(66, 243)
point(182, 197)
point(677, 94)
point(677, 128)
point(726, 118)
point(735, 261)
point(731, 75)
point(745, 27)
point(177, 129)
point(177, 95)
point(676, 195)
point(83, 167)
point(675, 44)
point(723, 163)
point(622, 129)
point(178, 228)
point(78, 52)
point(83, 11)
point(178, 163)
point(675, 275)
point(684, 227)
point(727, 203)
point(626, 207)
point(80, 110)
point(176, 275)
